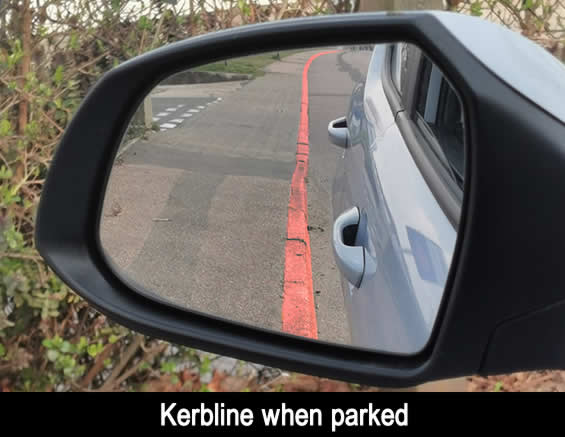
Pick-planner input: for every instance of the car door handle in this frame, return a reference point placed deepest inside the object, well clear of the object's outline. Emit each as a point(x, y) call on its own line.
point(338, 132)
point(350, 259)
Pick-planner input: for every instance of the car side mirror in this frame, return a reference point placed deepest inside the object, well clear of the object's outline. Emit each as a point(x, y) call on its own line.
point(477, 283)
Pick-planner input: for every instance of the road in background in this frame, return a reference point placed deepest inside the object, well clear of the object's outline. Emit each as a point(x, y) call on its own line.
point(197, 213)
point(171, 112)
point(208, 224)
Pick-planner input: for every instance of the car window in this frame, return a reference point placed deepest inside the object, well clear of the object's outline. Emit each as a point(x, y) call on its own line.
point(439, 110)
point(403, 57)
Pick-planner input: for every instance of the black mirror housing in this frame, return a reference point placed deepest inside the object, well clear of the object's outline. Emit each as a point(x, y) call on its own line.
point(504, 305)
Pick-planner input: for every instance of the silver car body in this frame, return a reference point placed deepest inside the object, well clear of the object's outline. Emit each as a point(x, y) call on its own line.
point(408, 240)
point(396, 304)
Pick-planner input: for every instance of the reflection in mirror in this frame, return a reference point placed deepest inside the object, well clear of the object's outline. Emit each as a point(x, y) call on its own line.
point(280, 190)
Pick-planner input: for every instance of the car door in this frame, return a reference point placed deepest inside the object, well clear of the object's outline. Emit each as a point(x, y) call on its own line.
point(406, 237)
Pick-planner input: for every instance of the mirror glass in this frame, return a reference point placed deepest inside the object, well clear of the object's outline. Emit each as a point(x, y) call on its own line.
point(280, 190)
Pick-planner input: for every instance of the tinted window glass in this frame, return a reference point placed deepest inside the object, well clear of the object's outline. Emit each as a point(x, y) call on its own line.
point(439, 107)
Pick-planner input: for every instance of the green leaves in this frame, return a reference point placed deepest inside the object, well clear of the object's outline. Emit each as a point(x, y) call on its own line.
point(244, 8)
point(9, 196)
point(80, 348)
point(52, 355)
point(5, 128)
point(144, 23)
point(12, 238)
point(2, 351)
point(205, 365)
point(32, 130)
point(67, 347)
point(168, 367)
point(94, 349)
point(58, 75)
point(63, 355)
point(5, 173)
point(73, 41)
point(14, 58)
point(476, 8)
point(82, 345)
point(68, 357)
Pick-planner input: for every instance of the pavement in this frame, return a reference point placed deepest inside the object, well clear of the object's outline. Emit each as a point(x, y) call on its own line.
point(197, 212)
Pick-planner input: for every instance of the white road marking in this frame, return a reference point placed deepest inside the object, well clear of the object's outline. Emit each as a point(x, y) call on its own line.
point(156, 118)
point(219, 99)
point(201, 107)
point(177, 120)
point(168, 125)
point(162, 114)
point(193, 110)
point(180, 106)
point(186, 115)
point(171, 109)
point(162, 130)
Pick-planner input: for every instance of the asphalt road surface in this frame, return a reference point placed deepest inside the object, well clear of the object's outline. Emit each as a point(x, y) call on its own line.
point(171, 112)
point(197, 213)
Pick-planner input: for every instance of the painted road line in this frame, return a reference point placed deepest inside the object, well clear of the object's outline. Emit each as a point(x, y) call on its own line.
point(167, 125)
point(299, 307)
point(193, 110)
point(177, 120)
point(186, 115)
point(171, 109)
point(180, 106)
point(156, 119)
point(201, 107)
point(162, 114)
